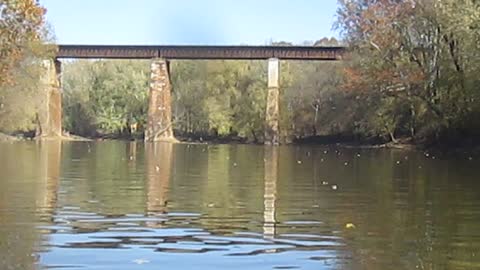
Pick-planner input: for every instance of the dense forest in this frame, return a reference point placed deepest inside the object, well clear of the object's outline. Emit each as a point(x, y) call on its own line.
point(411, 75)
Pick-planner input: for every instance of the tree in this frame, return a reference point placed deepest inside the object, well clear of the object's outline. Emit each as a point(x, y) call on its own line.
point(105, 97)
point(415, 55)
point(22, 24)
point(220, 98)
point(23, 38)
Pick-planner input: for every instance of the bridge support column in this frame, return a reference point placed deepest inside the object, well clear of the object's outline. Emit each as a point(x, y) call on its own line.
point(159, 122)
point(50, 108)
point(272, 112)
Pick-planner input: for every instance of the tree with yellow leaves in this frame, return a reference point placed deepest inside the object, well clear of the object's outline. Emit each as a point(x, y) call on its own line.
point(23, 37)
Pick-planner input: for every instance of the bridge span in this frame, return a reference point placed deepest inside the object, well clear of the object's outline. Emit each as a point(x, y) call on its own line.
point(175, 52)
point(159, 120)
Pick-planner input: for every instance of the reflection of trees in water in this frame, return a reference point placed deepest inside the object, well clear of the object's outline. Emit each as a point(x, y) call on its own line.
point(132, 153)
point(28, 193)
point(406, 214)
point(218, 197)
point(159, 157)
point(270, 193)
point(111, 178)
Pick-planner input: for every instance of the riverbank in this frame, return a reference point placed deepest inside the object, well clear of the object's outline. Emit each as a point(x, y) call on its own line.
point(456, 146)
point(21, 137)
point(450, 146)
point(8, 138)
point(467, 145)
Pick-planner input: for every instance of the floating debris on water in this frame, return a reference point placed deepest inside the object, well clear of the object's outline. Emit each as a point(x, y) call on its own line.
point(350, 226)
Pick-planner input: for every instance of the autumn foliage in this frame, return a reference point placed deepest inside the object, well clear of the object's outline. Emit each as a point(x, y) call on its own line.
point(24, 44)
point(21, 23)
point(416, 61)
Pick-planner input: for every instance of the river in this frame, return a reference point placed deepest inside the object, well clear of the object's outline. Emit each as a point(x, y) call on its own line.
point(127, 205)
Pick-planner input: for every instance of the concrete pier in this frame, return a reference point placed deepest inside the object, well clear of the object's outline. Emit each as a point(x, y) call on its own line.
point(272, 112)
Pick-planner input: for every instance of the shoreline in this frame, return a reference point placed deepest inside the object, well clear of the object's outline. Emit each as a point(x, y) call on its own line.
point(329, 141)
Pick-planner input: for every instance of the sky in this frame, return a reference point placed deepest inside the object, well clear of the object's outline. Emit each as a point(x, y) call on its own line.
point(189, 22)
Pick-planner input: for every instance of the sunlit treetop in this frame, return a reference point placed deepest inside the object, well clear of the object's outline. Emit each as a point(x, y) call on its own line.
point(21, 22)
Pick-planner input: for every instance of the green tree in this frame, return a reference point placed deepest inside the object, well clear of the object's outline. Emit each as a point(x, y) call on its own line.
point(105, 97)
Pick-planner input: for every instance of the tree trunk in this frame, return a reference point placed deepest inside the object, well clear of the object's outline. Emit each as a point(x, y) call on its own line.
point(255, 139)
point(315, 120)
point(392, 137)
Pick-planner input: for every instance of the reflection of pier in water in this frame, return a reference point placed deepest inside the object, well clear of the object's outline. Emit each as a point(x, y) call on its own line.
point(158, 160)
point(49, 167)
point(270, 193)
point(50, 160)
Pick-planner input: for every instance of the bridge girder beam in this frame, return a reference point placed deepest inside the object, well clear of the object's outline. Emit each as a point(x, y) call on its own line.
point(201, 52)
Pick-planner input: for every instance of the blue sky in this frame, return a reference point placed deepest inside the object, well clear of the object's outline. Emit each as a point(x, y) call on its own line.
point(196, 22)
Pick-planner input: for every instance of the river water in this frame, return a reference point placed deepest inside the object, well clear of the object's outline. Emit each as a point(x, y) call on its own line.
point(119, 205)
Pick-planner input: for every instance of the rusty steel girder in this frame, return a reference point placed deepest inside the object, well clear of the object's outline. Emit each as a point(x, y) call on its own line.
point(201, 52)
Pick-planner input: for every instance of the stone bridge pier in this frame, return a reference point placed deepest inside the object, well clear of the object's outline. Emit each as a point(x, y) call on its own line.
point(159, 118)
point(49, 113)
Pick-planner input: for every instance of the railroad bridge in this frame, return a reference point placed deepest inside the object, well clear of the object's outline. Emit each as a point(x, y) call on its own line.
point(159, 121)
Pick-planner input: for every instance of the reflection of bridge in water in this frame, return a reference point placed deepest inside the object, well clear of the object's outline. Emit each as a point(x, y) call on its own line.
point(159, 120)
point(158, 171)
point(36, 204)
point(159, 165)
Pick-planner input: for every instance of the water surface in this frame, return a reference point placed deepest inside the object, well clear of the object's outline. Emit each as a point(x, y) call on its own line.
point(118, 205)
